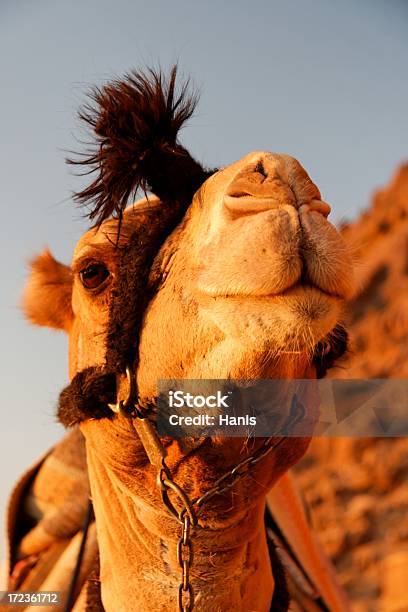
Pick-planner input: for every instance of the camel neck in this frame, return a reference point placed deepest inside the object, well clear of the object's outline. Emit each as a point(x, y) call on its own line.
point(138, 550)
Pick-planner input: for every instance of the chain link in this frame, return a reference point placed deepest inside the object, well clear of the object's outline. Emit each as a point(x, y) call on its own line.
point(228, 480)
point(187, 516)
point(185, 560)
point(190, 509)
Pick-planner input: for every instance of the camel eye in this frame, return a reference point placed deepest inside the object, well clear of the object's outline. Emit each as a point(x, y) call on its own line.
point(93, 275)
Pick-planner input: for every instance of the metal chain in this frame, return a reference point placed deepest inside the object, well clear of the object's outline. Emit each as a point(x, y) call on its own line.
point(228, 480)
point(190, 509)
point(187, 516)
point(185, 560)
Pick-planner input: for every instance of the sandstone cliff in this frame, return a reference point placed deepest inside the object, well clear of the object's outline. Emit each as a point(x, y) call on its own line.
point(358, 488)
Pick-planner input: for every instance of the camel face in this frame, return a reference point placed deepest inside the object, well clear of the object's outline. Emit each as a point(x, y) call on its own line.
point(264, 232)
point(256, 277)
point(255, 272)
point(262, 248)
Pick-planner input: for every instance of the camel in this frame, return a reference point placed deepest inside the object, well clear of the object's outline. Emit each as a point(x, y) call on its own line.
point(233, 273)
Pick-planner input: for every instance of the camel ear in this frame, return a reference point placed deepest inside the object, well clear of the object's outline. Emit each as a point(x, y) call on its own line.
point(48, 292)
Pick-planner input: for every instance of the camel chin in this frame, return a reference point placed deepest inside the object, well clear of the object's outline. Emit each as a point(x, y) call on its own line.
point(293, 321)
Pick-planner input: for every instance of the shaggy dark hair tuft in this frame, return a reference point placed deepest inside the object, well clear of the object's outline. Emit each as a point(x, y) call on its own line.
point(87, 397)
point(136, 122)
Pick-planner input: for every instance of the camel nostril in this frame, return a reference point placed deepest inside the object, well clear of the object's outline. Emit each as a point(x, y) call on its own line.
point(260, 169)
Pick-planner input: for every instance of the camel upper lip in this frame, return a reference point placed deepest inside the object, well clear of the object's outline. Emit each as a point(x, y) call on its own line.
point(244, 188)
point(254, 193)
point(247, 203)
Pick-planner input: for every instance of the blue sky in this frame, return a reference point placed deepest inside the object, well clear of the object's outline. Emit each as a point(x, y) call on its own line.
point(322, 80)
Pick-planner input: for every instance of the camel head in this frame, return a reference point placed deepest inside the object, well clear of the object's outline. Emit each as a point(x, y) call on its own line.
point(246, 279)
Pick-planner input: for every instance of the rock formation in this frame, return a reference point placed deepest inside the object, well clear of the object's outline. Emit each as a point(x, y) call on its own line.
point(358, 488)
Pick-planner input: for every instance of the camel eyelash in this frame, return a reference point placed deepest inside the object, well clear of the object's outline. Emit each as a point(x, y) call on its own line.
point(90, 259)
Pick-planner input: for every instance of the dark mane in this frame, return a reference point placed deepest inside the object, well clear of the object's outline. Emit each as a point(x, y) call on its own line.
point(135, 122)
